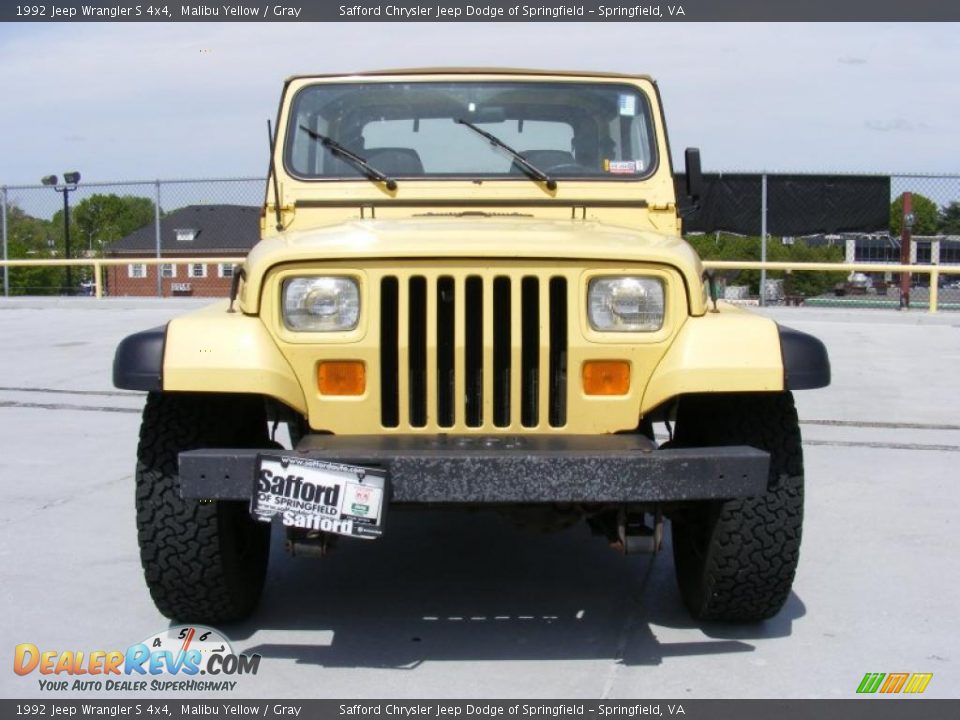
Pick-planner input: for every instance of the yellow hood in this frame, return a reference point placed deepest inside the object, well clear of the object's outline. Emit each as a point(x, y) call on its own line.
point(472, 237)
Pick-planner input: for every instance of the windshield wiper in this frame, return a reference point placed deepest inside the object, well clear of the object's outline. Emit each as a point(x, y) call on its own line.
point(528, 168)
point(368, 170)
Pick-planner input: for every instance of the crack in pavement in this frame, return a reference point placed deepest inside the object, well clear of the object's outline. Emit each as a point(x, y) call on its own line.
point(883, 445)
point(59, 391)
point(879, 424)
point(64, 406)
point(60, 501)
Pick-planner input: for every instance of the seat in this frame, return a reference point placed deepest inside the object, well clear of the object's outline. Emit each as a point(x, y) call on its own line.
point(395, 160)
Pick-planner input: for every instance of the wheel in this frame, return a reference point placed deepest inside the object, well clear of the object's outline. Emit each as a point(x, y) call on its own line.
point(736, 559)
point(203, 561)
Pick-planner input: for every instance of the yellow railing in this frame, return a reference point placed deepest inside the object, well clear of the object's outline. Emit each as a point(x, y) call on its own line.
point(934, 271)
point(99, 263)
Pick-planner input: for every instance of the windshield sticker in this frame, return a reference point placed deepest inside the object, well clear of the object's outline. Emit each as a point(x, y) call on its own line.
point(628, 104)
point(621, 167)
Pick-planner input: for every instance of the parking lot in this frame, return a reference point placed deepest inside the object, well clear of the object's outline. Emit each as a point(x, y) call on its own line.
point(464, 605)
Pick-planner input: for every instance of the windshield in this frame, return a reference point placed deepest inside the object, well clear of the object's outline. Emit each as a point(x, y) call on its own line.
point(410, 130)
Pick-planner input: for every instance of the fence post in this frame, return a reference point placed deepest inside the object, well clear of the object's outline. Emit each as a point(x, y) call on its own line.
point(906, 223)
point(3, 212)
point(763, 237)
point(97, 280)
point(156, 224)
point(934, 289)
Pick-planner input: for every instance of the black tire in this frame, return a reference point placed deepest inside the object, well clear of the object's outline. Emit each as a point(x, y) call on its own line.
point(204, 561)
point(736, 559)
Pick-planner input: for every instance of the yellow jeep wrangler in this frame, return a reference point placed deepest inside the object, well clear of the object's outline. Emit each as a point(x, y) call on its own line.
point(471, 291)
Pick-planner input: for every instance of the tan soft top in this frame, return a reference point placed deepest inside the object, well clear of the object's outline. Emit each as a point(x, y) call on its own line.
point(475, 71)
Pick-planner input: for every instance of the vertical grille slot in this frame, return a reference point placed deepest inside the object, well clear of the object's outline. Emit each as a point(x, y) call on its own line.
point(530, 352)
point(558, 352)
point(501, 351)
point(389, 329)
point(481, 351)
point(473, 350)
point(446, 307)
point(418, 351)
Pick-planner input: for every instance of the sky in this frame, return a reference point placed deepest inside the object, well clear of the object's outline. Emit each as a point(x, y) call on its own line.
point(129, 101)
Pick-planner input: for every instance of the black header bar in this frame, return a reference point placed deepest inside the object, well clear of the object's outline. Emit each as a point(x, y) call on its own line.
point(186, 707)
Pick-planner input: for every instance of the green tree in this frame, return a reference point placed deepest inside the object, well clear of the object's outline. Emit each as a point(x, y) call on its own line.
point(102, 219)
point(950, 219)
point(735, 247)
point(29, 238)
point(926, 215)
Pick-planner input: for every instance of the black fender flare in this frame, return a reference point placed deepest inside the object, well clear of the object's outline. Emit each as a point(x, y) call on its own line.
point(138, 362)
point(806, 364)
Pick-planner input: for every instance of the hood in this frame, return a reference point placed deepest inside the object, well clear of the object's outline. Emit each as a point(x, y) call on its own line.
point(487, 236)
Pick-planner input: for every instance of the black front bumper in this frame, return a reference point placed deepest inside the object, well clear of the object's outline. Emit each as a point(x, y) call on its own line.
point(505, 469)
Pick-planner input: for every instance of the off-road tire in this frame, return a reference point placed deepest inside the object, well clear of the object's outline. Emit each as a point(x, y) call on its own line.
point(204, 561)
point(736, 559)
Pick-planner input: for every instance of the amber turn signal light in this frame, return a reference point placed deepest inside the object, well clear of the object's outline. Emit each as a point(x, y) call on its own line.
point(606, 377)
point(341, 377)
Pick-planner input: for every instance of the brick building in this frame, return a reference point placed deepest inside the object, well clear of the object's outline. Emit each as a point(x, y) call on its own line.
point(192, 231)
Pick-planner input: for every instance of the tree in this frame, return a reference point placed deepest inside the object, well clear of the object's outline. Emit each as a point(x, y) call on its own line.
point(950, 219)
point(735, 247)
point(102, 219)
point(29, 238)
point(926, 215)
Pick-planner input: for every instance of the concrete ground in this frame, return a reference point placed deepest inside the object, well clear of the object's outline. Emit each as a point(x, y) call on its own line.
point(452, 605)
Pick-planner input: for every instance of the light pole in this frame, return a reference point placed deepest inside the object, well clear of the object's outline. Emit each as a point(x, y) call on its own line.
point(70, 182)
point(906, 225)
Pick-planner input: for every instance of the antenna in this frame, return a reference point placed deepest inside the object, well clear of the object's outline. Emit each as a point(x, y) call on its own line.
point(273, 173)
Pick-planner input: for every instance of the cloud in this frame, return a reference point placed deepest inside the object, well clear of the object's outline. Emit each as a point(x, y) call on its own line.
point(896, 125)
point(191, 99)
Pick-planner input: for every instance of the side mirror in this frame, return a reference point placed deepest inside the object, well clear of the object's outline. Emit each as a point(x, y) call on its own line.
point(693, 174)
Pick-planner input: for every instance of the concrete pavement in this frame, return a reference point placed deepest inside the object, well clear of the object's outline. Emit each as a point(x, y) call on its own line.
point(454, 605)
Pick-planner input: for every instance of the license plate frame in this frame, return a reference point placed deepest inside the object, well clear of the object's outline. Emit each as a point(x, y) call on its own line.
point(317, 495)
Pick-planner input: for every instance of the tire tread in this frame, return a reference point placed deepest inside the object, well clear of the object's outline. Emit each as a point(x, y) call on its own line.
point(736, 559)
point(192, 566)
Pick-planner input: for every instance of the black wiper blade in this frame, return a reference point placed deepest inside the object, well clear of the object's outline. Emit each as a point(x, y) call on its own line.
point(529, 169)
point(369, 171)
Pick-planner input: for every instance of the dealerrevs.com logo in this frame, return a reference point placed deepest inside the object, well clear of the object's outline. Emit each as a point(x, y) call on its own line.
point(182, 658)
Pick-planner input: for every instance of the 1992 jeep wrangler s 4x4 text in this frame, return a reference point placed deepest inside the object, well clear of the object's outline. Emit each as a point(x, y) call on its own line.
point(471, 291)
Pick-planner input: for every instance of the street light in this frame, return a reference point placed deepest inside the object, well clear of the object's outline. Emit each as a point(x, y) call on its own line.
point(70, 182)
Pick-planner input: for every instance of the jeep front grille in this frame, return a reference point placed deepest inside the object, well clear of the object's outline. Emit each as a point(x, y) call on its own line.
point(482, 352)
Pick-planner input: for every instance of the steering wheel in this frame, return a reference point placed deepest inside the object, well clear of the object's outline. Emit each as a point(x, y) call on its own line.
point(571, 168)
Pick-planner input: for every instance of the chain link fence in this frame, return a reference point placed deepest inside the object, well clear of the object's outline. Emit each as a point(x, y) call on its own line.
point(752, 217)
point(845, 218)
point(96, 220)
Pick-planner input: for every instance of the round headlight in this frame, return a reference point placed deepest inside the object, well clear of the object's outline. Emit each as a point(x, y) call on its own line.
point(321, 304)
point(626, 304)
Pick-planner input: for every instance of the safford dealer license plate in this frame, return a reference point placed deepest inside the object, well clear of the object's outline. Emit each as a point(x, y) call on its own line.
point(317, 495)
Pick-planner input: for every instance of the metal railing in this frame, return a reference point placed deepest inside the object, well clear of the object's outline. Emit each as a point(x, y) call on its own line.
point(933, 272)
point(33, 225)
point(98, 264)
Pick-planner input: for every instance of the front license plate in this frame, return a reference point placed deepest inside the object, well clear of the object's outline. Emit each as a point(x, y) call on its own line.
point(317, 495)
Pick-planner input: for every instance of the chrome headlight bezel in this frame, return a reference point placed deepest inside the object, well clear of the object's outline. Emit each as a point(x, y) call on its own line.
point(626, 303)
point(320, 303)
